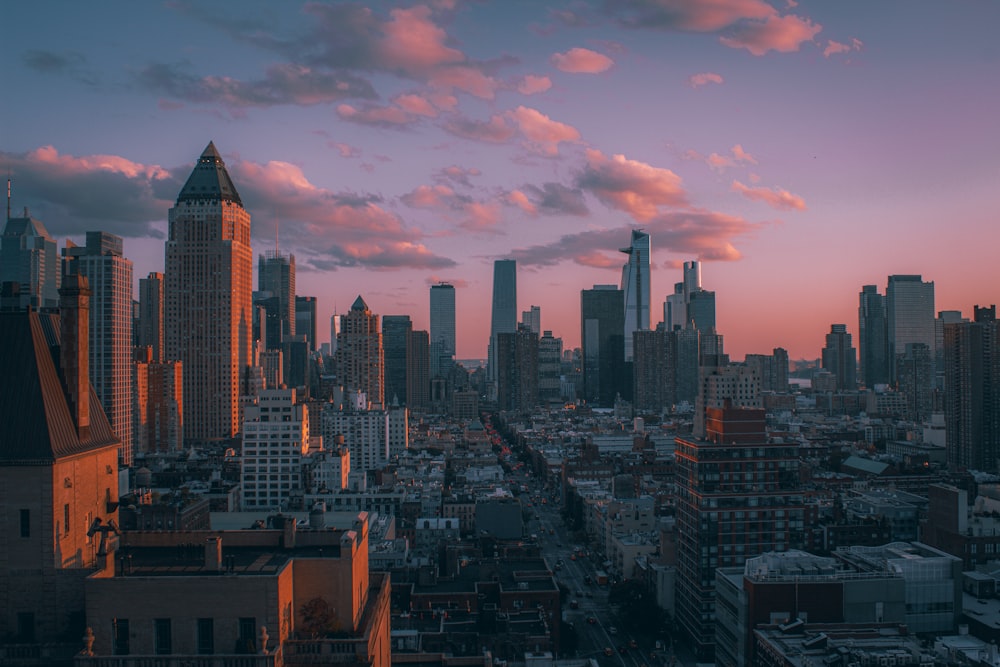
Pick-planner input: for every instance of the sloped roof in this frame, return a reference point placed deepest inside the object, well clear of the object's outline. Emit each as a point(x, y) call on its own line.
point(26, 226)
point(209, 180)
point(359, 304)
point(862, 464)
point(36, 424)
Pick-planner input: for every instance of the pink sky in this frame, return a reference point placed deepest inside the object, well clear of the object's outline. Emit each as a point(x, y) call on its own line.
point(798, 149)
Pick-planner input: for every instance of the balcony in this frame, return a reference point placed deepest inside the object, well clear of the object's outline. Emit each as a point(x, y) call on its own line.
point(177, 660)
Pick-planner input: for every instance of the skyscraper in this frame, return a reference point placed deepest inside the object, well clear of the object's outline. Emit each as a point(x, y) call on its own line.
point(305, 319)
point(504, 313)
point(549, 368)
point(28, 257)
point(873, 338)
point(602, 340)
point(532, 319)
point(208, 292)
point(909, 303)
point(396, 331)
point(110, 276)
point(418, 380)
point(690, 304)
point(972, 396)
point(150, 332)
point(442, 313)
point(276, 292)
point(517, 370)
point(360, 362)
point(840, 357)
point(635, 285)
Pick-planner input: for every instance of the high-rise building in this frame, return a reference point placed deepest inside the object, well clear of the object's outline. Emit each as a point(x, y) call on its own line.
point(418, 373)
point(517, 370)
point(305, 319)
point(443, 340)
point(915, 380)
point(636, 287)
point(373, 437)
point(360, 362)
point(972, 392)
point(208, 294)
point(873, 339)
point(275, 438)
point(158, 406)
point(772, 369)
point(737, 497)
point(943, 317)
point(110, 276)
point(840, 358)
point(909, 303)
point(655, 370)
point(549, 369)
point(602, 340)
point(29, 258)
point(701, 310)
point(150, 332)
point(504, 312)
point(690, 304)
point(675, 309)
point(532, 319)
point(334, 331)
point(276, 293)
point(396, 331)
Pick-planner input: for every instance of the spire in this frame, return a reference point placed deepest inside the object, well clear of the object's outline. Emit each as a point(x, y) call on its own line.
point(359, 304)
point(209, 180)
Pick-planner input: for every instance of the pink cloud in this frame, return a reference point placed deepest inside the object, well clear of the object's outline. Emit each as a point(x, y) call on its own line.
point(716, 161)
point(833, 47)
point(415, 104)
point(412, 42)
point(542, 133)
point(481, 216)
point(459, 209)
point(466, 78)
point(67, 164)
point(495, 130)
point(742, 156)
point(582, 61)
point(635, 187)
point(700, 16)
point(777, 198)
point(784, 34)
point(531, 84)
point(375, 115)
point(519, 199)
point(345, 150)
point(429, 196)
point(704, 78)
point(457, 174)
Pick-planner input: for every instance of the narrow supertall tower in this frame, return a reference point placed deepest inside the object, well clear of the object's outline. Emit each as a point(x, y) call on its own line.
point(208, 292)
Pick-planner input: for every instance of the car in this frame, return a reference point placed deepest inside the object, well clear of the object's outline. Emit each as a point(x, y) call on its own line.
point(632, 644)
point(591, 620)
point(579, 593)
point(608, 652)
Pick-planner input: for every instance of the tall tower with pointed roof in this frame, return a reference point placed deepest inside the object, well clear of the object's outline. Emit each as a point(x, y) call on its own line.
point(208, 295)
point(360, 356)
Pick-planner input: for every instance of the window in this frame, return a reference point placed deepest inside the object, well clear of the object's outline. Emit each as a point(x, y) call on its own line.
point(206, 636)
point(119, 633)
point(25, 523)
point(26, 627)
point(161, 636)
point(66, 519)
point(248, 637)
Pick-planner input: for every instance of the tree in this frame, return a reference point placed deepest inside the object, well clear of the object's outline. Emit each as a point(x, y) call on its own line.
point(319, 618)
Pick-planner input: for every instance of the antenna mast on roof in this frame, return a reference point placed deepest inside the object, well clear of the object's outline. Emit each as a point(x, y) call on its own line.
point(8, 194)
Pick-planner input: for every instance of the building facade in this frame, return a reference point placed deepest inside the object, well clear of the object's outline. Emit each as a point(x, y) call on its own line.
point(504, 307)
point(275, 438)
point(442, 312)
point(360, 362)
point(30, 259)
point(602, 342)
point(635, 286)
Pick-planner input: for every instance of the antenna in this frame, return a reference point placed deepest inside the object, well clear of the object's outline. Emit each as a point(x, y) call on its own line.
point(276, 237)
point(8, 194)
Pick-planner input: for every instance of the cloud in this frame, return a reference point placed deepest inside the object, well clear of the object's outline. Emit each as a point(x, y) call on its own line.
point(520, 200)
point(635, 187)
point(107, 192)
point(430, 196)
point(543, 135)
point(556, 199)
point(456, 174)
point(783, 200)
point(784, 34)
point(532, 84)
point(70, 63)
point(416, 105)
point(685, 15)
point(833, 47)
point(378, 116)
point(582, 61)
point(742, 156)
point(704, 78)
point(461, 210)
point(345, 150)
point(721, 162)
point(282, 84)
point(495, 130)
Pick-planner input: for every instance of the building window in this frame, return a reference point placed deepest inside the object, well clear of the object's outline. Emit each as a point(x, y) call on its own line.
point(26, 627)
point(248, 639)
point(66, 519)
point(162, 644)
point(25, 523)
point(206, 636)
point(119, 633)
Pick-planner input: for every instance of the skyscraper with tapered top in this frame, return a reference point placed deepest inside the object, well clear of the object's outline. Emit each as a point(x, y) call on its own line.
point(635, 285)
point(208, 294)
point(360, 355)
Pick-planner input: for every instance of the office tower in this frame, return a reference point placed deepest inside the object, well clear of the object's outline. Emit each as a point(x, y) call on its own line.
point(209, 282)
point(873, 339)
point(655, 370)
point(418, 370)
point(690, 304)
point(504, 313)
point(158, 407)
point(674, 309)
point(691, 278)
point(840, 358)
point(602, 340)
point(532, 319)
point(29, 258)
point(442, 313)
point(296, 365)
point(58, 476)
point(275, 438)
point(360, 364)
point(688, 364)
point(517, 370)
point(943, 317)
point(909, 304)
point(635, 285)
point(915, 380)
point(701, 310)
point(110, 276)
point(549, 369)
point(373, 437)
point(150, 332)
point(772, 369)
point(276, 293)
point(305, 319)
point(396, 331)
point(334, 331)
point(972, 392)
point(737, 497)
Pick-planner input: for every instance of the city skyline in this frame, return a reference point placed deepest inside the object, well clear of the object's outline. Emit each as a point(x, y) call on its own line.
point(797, 150)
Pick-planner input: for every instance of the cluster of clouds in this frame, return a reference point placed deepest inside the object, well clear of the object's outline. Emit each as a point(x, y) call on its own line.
point(336, 62)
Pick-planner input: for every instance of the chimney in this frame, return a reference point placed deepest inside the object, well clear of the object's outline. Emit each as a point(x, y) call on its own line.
point(74, 352)
point(213, 554)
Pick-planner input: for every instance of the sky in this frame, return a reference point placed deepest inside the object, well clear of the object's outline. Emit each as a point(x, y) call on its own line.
point(799, 150)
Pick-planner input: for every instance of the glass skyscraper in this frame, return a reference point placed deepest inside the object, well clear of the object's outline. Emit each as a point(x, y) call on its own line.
point(909, 303)
point(872, 337)
point(504, 313)
point(635, 285)
point(442, 328)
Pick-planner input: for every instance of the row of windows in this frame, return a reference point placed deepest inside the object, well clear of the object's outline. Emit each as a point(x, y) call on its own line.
point(246, 640)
